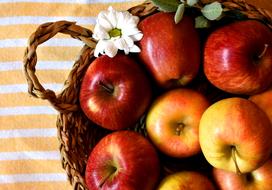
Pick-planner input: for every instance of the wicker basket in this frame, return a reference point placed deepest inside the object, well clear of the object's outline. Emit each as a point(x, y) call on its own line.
point(77, 135)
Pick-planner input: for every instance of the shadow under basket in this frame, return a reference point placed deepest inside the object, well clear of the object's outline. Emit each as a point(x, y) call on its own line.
point(77, 135)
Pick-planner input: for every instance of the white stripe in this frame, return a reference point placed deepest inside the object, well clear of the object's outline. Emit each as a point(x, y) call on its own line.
point(27, 110)
point(26, 133)
point(30, 155)
point(16, 88)
point(41, 65)
point(67, 1)
point(15, 20)
point(37, 177)
point(55, 42)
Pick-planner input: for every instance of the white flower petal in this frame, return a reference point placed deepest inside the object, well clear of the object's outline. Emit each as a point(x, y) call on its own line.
point(129, 31)
point(105, 23)
point(121, 44)
point(108, 18)
point(112, 16)
point(96, 52)
point(136, 19)
point(110, 8)
point(99, 48)
point(126, 50)
point(126, 18)
point(100, 33)
point(120, 21)
point(110, 49)
point(135, 49)
point(137, 37)
point(129, 41)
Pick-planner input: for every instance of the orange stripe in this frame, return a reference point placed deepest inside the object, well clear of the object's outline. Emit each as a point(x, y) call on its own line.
point(44, 53)
point(29, 144)
point(30, 166)
point(21, 99)
point(28, 122)
point(59, 9)
point(44, 76)
point(10, 32)
point(37, 186)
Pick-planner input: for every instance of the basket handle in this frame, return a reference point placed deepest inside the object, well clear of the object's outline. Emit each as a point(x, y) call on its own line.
point(63, 103)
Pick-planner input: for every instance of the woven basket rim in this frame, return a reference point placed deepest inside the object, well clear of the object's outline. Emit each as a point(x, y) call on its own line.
point(66, 102)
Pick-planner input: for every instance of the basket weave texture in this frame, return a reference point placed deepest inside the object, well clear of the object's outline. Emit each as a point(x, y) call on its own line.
point(77, 135)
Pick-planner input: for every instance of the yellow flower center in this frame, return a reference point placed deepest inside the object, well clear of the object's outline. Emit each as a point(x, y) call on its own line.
point(115, 32)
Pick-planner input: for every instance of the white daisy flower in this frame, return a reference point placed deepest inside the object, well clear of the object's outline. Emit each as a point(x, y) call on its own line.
point(116, 30)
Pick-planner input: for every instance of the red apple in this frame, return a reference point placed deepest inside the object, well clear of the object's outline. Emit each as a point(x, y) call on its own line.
point(235, 135)
point(238, 57)
point(115, 92)
point(171, 52)
point(173, 121)
point(259, 179)
point(186, 180)
point(264, 101)
point(123, 160)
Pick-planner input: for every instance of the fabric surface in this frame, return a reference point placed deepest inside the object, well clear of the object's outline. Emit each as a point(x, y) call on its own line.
point(29, 155)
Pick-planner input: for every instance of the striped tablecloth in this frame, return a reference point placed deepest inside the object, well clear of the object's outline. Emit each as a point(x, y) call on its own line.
point(29, 156)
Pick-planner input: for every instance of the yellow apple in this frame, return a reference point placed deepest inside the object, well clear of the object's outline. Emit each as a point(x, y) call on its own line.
point(186, 180)
point(173, 121)
point(235, 135)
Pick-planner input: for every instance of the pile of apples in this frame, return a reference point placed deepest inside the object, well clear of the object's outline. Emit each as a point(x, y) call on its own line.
point(234, 134)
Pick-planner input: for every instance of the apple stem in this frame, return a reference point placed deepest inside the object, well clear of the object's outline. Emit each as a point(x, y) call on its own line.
point(109, 88)
point(103, 181)
point(265, 49)
point(179, 128)
point(233, 153)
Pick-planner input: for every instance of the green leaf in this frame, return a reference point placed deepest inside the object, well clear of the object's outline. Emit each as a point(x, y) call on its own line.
point(192, 2)
point(180, 12)
point(166, 5)
point(201, 22)
point(212, 11)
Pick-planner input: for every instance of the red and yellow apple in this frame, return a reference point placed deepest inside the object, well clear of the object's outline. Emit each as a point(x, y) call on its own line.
point(173, 120)
point(264, 101)
point(115, 92)
point(238, 57)
point(171, 52)
point(235, 135)
point(259, 179)
point(186, 180)
point(123, 160)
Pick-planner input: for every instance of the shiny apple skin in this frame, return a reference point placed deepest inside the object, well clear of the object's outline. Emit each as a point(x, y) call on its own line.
point(134, 158)
point(186, 180)
point(264, 101)
point(259, 179)
point(128, 102)
point(235, 124)
point(171, 52)
point(230, 57)
point(179, 109)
